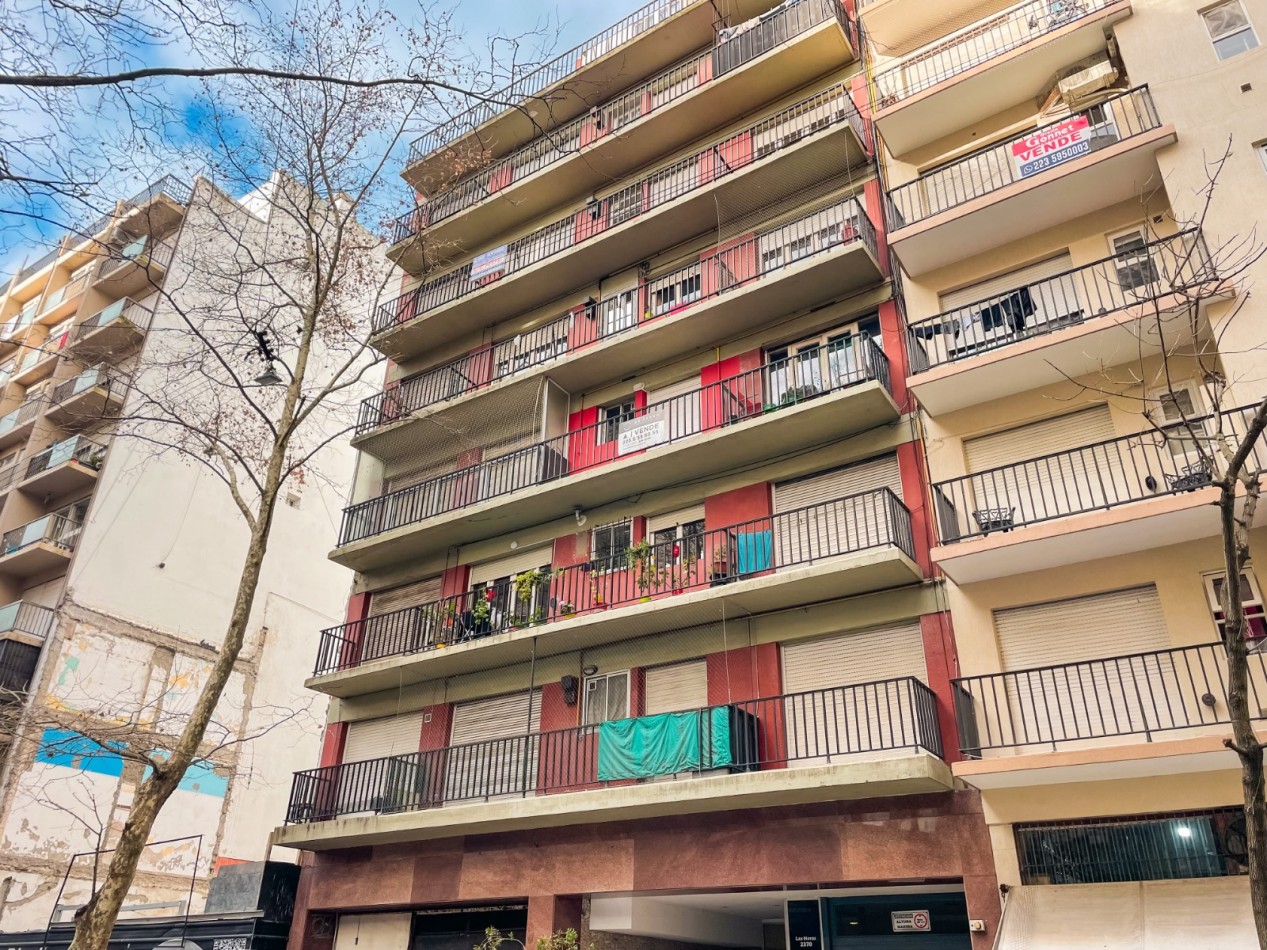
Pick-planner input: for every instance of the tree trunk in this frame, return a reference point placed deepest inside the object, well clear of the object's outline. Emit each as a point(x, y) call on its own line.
point(1235, 529)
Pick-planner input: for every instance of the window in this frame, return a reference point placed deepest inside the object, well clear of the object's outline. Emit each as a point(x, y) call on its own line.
point(1261, 149)
point(675, 292)
point(1178, 405)
point(608, 545)
point(1251, 599)
point(1229, 28)
point(824, 362)
point(681, 544)
point(610, 418)
point(606, 697)
point(1136, 268)
point(507, 602)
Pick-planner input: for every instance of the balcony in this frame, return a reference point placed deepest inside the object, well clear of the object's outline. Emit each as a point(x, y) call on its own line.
point(68, 466)
point(1090, 160)
point(1111, 311)
point(19, 323)
point(63, 302)
point(837, 391)
point(825, 255)
point(87, 398)
point(1162, 713)
point(569, 84)
point(26, 622)
point(39, 546)
point(138, 265)
point(857, 741)
point(829, 550)
point(987, 67)
point(1132, 493)
point(898, 26)
point(810, 141)
point(111, 332)
point(788, 48)
point(37, 363)
point(18, 425)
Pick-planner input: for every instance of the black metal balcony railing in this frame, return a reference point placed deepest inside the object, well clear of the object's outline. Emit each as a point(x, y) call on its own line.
point(724, 157)
point(28, 618)
point(1141, 694)
point(806, 376)
point(1169, 459)
point(992, 168)
point(543, 77)
point(978, 44)
point(57, 530)
point(180, 192)
point(612, 116)
point(696, 562)
point(75, 449)
point(812, 728)
point(764, 253)
point(1107, 286)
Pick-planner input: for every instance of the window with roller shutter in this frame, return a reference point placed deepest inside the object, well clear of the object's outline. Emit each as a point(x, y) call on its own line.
point(997, 311)
point(810, 524)
point(1060, 689)
point(841, 694)
point(1050, 469)
point(493, 747)
point(676, 687)
point(391, 629)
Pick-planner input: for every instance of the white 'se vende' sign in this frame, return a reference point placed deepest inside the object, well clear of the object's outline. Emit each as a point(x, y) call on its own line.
point(642, 432)
point(1052, 146)
point(911, 921)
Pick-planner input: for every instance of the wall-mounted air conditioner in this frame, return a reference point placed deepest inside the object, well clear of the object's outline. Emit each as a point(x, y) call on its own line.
point(1082, 80)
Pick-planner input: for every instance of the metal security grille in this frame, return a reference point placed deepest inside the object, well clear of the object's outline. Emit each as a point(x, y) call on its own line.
point(1162, 847)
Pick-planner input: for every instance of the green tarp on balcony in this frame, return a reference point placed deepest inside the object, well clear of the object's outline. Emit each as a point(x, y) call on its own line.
point(664, 744)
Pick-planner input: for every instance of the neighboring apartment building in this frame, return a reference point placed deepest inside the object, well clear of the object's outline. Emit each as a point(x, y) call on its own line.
point(1045, 165)
point(119, 566)
point(672, 495)
point(645, 637)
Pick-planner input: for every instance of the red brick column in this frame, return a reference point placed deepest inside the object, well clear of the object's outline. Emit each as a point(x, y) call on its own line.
point(943, 666)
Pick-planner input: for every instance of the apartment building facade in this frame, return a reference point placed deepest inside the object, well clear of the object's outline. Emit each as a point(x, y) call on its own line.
point(646, 638)
point(119, 566)
point(1082, 342)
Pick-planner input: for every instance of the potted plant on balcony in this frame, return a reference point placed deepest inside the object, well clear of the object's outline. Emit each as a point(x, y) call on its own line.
point(641, 560)
point(596, 595)
point(721, 564)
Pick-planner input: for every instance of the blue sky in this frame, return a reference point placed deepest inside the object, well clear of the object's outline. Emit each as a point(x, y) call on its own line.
point(568, 21)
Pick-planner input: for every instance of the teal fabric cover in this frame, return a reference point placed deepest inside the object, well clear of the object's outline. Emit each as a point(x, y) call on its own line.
point(664, 744)
point(756, 551)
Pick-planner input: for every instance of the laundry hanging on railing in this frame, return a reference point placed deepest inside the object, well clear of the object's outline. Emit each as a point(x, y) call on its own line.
point(664, 744)
point(730, 32)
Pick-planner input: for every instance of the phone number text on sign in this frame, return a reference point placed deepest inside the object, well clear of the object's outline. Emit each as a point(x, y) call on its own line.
point(1052, 146)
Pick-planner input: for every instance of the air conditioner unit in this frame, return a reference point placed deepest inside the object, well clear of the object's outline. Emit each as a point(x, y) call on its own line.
point(1082, 80)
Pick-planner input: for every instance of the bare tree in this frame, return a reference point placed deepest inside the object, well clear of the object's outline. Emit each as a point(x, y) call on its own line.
point(1190, 289)
point(258, 350)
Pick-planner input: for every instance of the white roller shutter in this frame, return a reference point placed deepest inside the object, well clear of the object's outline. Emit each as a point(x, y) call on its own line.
point(671, 519)
point(863, 656)
point(849, 694)
point(834, 526)
point(1005, 282)
point(1041, 486)
point(503, 758)
point(1054, 695)
point(1083, 628)
point(378, 738)
point(677, 687)
point(689, 385)
point(517, 563)
point(390, 633)
point(407, 595)
point(994, 312)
